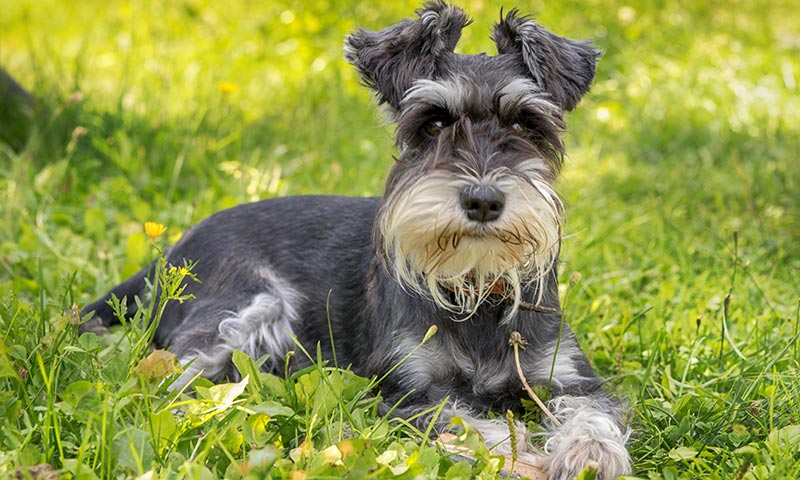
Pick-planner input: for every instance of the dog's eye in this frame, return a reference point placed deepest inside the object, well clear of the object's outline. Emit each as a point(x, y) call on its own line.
point(433, 127)
point(518, 127)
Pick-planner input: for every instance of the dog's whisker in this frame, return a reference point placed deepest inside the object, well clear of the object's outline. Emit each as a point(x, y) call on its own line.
point(457, 239)
point(442, 240)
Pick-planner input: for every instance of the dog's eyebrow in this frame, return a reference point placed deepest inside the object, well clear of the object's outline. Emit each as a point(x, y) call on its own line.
point(521, 94)
point(453, 96)
point(448, 95)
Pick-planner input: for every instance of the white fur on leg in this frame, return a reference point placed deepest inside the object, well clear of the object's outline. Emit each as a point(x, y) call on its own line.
point(589, 431)
point(260, 328)
point(192, 368)
point(497, 437)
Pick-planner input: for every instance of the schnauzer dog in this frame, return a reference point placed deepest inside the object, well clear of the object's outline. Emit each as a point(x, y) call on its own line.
point(466, 238)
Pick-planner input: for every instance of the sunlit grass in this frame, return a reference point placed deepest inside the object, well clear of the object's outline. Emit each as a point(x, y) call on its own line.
point(681, 188)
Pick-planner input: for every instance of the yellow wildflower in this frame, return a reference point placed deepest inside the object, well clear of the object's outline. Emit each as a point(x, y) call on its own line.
point(153, 229)
point(228, 87)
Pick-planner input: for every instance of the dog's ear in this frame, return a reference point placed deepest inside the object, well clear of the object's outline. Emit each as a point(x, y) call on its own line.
point(389, 61)
point(562, 67)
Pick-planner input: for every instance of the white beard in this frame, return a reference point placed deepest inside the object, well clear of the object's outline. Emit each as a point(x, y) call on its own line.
point(432, 244)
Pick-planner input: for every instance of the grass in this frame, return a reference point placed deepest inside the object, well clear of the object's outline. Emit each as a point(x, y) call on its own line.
point(681, 189)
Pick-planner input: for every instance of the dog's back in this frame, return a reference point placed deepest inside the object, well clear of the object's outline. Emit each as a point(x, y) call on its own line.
point(262, 263)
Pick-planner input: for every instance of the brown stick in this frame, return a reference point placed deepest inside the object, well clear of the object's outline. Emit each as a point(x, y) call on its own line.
point(517, 340)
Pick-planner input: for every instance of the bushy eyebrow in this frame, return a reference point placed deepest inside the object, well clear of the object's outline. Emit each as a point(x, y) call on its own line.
point(522, 94)
point(453, 96)
point(449, 95)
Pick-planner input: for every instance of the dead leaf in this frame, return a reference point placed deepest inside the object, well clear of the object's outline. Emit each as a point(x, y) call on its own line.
point(43, 471)
point(157, 365)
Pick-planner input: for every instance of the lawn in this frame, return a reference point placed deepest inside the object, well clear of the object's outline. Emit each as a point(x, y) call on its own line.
point(680, 269)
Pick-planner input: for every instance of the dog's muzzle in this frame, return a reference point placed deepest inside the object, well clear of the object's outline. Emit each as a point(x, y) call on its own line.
point(479, 236)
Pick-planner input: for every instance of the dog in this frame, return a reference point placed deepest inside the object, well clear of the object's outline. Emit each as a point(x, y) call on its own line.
point(466, 238)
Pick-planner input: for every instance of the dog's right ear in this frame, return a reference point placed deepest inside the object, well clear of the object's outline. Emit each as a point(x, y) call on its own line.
point(391, 60)
point(562, 67)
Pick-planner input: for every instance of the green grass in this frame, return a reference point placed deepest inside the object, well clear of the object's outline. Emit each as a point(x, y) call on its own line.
point(682, 190)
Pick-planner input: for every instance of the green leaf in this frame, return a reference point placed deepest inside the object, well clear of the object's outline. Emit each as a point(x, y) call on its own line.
point(225, 394)
point(163, 426)
point(378, 431)
point(260, 460)
point(428, 457)
point(682, 453)
point(320, 390)
point(255, 429)
point(352, 384)
point(247, 367)
point(10, 406)
point(751, 449)
point(78, 471)
point(6, 368)
point(272, 408)
point(589, 472)
point(232, 440)
point(460, 471)
point(133, 450)
point(273, 385)
point(215, 400)
point(787, 437)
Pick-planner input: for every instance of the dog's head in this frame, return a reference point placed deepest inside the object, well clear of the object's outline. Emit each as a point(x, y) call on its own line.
point(469, 209)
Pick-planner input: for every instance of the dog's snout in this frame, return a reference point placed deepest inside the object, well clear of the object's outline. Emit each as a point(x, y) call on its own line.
point(482, 203)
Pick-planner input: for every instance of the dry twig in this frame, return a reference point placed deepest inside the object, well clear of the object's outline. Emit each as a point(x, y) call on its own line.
point(517, 340)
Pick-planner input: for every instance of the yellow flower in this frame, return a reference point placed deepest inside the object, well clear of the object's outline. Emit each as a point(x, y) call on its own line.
point(228, 87)
point(153, 229)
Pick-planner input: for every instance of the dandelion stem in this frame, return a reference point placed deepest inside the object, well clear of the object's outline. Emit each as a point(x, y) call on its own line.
point(516, 340)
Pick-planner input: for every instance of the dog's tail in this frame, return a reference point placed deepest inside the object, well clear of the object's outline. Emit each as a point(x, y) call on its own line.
point(103, 315)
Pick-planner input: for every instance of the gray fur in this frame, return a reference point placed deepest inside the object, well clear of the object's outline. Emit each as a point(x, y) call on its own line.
point(562, 67)
point(390, 60)
point(591, 430)
point(381, 271)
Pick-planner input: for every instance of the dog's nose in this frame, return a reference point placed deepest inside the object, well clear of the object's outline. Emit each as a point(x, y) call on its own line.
point(482, 203)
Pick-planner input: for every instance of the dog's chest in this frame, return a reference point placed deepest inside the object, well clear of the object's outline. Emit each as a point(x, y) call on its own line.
point(480, 366)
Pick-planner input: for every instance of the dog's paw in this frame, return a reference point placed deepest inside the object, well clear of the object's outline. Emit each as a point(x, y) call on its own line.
point(94, 325)
point(583, 439)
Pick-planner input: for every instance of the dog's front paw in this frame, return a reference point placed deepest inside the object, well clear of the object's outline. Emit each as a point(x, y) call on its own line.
point(586, 436)
point(94, 325)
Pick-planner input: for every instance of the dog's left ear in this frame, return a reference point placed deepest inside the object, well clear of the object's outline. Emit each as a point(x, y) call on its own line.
point(562, 67)
point(391, 60)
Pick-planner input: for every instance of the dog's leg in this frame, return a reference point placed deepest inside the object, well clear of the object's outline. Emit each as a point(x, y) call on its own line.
point(590, 423)
point(421, 413)
point(496, 434)
point(260, 325)
point(590, 430)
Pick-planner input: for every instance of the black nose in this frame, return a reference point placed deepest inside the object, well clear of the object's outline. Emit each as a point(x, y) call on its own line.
point(482, 203)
